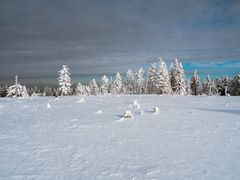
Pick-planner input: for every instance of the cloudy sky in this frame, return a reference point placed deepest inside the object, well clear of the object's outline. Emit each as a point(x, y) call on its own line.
point(106, 36)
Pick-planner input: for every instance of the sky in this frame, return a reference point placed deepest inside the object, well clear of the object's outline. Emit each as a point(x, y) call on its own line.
point(97, 37)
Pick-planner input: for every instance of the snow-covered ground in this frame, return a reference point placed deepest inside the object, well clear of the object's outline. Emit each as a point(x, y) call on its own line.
point(88, 138)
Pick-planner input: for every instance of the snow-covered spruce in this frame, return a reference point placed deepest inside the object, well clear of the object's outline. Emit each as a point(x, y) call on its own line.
point(195, 84)
point(140, 82)
point(130, 82)
point(17, 90)
point(209, 87)
point(80, 90)
point(163, 84)
point(152, 79)
point(177, 78)
point(104, 88)
point(64, 81)
point(235, 86)
point(117, 86)
point(93, 87)
point(222, 85)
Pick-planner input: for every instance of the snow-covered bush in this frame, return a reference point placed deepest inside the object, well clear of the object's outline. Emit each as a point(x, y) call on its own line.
point(156, 110)
point(136, 104)
point(17, 90)
point(128, 114)
point(48, 105)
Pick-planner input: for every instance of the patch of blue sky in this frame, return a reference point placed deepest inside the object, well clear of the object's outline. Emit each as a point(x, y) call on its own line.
point(213, 68)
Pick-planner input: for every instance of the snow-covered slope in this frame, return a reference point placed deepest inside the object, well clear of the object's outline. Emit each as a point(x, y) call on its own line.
point(88, 138)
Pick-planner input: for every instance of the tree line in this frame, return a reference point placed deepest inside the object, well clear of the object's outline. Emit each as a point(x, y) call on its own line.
point(158, 80)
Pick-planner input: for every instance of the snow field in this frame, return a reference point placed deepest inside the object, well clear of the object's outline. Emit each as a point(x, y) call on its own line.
point(192, 137)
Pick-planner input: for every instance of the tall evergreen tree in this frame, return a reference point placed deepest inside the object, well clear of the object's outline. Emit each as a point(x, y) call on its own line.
point(177, 79)
point(163, 83)
point(79, 89)
point(195, 84)
point(94, 87)
point(117, 86)
point(207, 86)
point(130, 85)
point(188, 87)
point(152, 78)
point(235, 86)
point(48, 91)
point(64, 81)
point(104, 85)
point(140, 82)
point(222, 85)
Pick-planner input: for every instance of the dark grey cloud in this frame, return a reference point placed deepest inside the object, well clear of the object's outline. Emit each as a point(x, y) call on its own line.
point(104, 36)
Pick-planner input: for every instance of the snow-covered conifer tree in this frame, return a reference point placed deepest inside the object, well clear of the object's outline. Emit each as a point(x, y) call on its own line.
point(222, 85)
point(163, 84)
point(140, 82)
point(195, 84)
point(207, 86)
point(79, 89)
point(48, 91)
point(151, 79)
point(188, 87)
point(3, 91)
point(17, 90)
point(94, 87)
point(117, 86)
point(177, 79)
point(104, 85)
point(235, 86)
point(87, 90)
point(64, 81)
point(130, 82)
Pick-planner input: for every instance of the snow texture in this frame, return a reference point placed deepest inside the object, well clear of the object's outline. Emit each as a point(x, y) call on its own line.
point(193, 137)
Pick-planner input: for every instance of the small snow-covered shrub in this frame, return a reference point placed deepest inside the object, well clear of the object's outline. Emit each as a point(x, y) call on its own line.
point(156, 110)
point(48, 105)
point(128, 114)
point(17, 90)
point(136, 104)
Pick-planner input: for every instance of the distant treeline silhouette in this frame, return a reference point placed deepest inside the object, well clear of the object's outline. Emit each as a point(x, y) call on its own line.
point(158, 80)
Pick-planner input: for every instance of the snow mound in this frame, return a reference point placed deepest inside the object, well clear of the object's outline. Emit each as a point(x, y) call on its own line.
point(136, 105)
point(156, 110)
point(82, 100)
point(128, 114)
